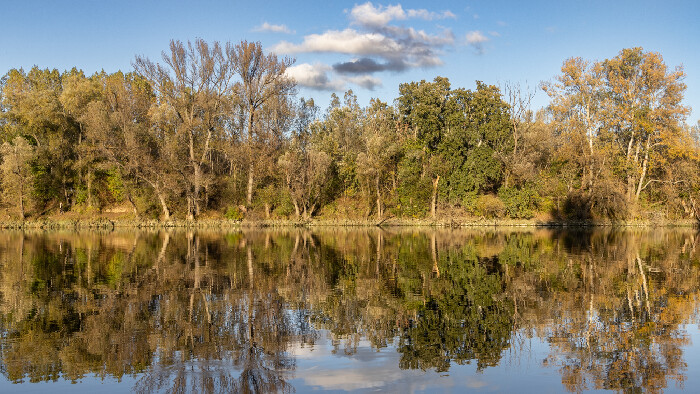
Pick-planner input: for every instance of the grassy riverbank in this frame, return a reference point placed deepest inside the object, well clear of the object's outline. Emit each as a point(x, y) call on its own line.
point(109, 223)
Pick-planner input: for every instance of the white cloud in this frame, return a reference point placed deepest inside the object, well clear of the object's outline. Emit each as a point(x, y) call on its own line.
point(314, 77)
point(477, 39)
point(348, 41)
point(376, 17)
point(369, 15)
point(273, 28)
point(412, 49)
point(374, 45)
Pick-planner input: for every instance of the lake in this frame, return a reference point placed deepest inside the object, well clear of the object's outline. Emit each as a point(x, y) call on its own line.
point(338, 309)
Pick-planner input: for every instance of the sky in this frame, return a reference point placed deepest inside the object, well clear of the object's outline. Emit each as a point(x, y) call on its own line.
point(369, 47)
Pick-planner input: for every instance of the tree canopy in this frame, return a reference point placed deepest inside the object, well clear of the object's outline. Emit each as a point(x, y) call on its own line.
point(216, 130)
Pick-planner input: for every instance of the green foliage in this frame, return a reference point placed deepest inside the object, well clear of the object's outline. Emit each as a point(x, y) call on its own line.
point(233, 213)
point(469, 202)
point(477, 137)
point(519, 203)
point(81, 195)
point(115, 185)
point(413, 192)
point(284, 207)
point(490, 206)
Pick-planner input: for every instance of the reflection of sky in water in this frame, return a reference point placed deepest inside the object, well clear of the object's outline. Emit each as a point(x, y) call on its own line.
point(371, 370)
point(89, 384)
point(520, 370)
point(691, 355)
point(319, 368)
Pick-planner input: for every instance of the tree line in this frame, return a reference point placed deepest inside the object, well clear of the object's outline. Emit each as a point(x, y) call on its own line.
point(218, 130)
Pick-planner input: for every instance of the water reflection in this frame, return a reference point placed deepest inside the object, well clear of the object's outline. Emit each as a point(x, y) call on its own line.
point(209, 312)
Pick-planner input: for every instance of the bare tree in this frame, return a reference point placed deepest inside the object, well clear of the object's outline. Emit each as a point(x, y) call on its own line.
point(262, 78)
point(196, 84)
point(521, 120)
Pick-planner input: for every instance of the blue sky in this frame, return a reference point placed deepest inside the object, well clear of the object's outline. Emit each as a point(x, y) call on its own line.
point(368, 47)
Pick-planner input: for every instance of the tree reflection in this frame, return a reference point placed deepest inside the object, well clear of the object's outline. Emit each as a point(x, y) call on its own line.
point(192, 311)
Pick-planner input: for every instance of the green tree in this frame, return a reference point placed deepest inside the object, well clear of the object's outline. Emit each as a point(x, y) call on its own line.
point(424, 107)
point(32, 108)
point(645, 114)
point(16, 171)
point(376, 163)
point(477, 139)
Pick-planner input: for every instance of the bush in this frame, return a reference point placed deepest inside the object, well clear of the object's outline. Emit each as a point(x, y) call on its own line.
point(469, 202)
point(490, 206)
point(233, 213)
point(519, 203)
point(115, 185)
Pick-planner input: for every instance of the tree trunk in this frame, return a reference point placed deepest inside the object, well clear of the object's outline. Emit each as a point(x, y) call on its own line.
point(590, 136)
point(251, 117)
point(296, 208)
point(163, 205)
point(21, 199)
point(645, 164)
point(433, 204)
point(197, 188)
point(89, 188)
point(249, 195)
point(379, 199)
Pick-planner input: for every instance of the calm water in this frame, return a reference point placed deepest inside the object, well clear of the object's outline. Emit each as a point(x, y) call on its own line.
point(350, 310)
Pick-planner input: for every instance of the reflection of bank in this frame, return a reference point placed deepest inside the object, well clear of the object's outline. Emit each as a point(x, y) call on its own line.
point(294, 308)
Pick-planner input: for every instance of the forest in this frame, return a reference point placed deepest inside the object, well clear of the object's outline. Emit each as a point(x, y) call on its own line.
point(218, 131)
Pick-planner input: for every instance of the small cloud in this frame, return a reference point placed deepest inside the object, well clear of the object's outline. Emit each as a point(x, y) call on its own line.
point(368, 15)
point(551, 29)
point(266, 27)
point(429, 15)
point(366, 81)
point(476, 39)
point(475, 16)
point(494, 34)
point(501, 23)
point(314, 77)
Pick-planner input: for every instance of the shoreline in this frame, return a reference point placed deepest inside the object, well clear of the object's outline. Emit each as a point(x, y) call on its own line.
point(112, 224)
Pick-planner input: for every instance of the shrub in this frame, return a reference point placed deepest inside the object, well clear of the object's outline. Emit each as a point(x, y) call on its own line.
point(115, 185)
point(519, 203)
point(469, 202)
point(490, 206)
point(233, 213)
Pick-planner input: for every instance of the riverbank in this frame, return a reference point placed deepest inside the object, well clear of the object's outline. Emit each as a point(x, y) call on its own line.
point(105, 223)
